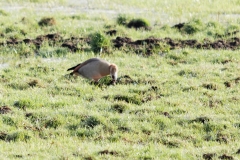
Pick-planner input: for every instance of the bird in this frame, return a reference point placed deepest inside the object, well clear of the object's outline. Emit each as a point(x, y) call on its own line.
point(94, 69)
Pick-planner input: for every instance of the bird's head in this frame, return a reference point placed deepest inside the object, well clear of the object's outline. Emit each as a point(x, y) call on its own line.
point(113, 72)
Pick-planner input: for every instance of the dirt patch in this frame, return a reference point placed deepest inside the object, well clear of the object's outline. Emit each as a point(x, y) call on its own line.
point(124, 129)
point(5, 110)
point(54, 39)
point(221, 138)
point(18, 156)
point(126, 79)
point(210, 86)
point(224, 156)
point(215, 103)
point(201, 120)
point(209, 156)
point(179, 26)
point(112, 32)
point(3, 136)
point(146, 46)
point(166, 114)
point(29, 115)
point(88, 158)
point(33, 83)
point(232, 82)
point(73, 43)
point(238, 151)
point(150, 44)
point(108, 152)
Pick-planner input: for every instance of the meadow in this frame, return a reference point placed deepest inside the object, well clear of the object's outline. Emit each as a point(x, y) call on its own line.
point(177, 94)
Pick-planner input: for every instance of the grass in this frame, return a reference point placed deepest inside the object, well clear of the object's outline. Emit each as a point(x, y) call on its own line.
point(71, 114)
point(174, 104)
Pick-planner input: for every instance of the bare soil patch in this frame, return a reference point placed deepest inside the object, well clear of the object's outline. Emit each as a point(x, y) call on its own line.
point(147, 46)
point(3, 136)
point(5, 109)
point(108, 152)
point(224, 156)
point(209, 156)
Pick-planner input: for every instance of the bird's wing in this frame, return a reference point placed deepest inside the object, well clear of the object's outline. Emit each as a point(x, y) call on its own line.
point(84, 63)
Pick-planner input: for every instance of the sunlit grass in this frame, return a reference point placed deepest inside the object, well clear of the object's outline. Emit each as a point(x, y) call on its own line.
point(73, 109)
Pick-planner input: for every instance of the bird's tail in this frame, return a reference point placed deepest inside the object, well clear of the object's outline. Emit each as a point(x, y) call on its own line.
point(72, 68)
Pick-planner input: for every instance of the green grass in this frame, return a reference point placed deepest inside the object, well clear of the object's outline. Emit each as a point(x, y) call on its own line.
point(72, 115)
point(174, 104)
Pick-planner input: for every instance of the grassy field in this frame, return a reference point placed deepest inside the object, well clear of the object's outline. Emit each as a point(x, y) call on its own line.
point(172, 104)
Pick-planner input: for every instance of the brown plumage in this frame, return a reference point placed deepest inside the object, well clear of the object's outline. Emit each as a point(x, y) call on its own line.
point(95, 69)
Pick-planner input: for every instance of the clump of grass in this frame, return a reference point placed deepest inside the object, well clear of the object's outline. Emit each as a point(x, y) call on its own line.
point(18, 136)
point(213, 24)
point(171, 143)
point(175, 58)
point(119, 107)
point(18, 85)
point(122, 19)
point(121, 124)
point(10, 29)
point(25, 51)
point(99, 42)
point(161, 123)
point(138, 23)
point(84, 132)
point(47, 21)
point(24, 103)
point(91, 122)
point(187, 73)
point(43, 120)
point(212, 127)
point(166, 27)
point(193, 27)
point(9, 121)
point(129, 99)
point(161, 48)
point(53, 122)
point(214, 29)
point(105, 81)
point(232, 27)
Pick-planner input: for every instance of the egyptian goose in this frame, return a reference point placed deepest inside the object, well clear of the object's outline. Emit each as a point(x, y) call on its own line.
point(95, 69)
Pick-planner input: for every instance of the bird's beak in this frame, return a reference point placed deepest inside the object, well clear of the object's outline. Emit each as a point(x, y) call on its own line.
point(113, 78)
